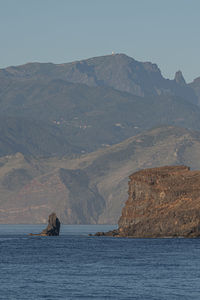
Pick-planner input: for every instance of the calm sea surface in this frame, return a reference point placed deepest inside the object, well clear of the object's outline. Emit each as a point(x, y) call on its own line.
point(76, 266)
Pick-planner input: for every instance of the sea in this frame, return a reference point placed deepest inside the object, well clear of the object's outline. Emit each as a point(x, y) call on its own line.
point(75, 265)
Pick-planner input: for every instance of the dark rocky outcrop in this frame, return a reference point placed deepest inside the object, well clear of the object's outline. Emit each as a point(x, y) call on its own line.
point(163, 202)
point(53, 227)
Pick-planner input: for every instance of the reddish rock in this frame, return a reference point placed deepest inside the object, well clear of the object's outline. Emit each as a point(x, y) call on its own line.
point(162, 202)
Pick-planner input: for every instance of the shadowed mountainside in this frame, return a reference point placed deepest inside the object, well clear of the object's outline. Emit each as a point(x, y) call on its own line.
point(32, 138)
point(118, 71)
point(89, 104)
point(81, 118)
point(195, 85)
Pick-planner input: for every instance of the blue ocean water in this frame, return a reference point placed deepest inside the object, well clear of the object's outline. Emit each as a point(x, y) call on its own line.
point(76, 266)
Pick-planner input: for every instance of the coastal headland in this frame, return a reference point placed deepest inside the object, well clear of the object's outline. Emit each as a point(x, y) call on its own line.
point(163, 202)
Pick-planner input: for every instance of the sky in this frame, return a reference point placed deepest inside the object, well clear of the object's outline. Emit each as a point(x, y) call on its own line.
point(165, 32)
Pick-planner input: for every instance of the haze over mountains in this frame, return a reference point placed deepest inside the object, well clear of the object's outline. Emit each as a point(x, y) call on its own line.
point(117, 71)
point(92, 188)
point(52, 117)
point(91, 103)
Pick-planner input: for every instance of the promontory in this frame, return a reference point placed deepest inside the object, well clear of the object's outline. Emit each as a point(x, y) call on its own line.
point(162, 202)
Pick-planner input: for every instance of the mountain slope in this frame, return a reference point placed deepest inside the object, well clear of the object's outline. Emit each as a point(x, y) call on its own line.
point(92, 117)
point(33, 138)
point(51, 114)
point(195, 85)
point(90, 104)
point(92, 188)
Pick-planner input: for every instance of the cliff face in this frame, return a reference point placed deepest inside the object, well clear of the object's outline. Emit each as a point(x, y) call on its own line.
point(163, 202)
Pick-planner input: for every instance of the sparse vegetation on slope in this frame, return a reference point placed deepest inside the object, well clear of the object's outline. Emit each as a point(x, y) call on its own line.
point(92, 188)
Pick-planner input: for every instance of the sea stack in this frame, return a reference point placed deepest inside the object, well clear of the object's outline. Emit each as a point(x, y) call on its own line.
point(162, 202)
point(53, 227)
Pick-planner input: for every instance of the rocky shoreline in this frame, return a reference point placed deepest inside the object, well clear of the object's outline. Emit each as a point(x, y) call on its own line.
point(163, 203)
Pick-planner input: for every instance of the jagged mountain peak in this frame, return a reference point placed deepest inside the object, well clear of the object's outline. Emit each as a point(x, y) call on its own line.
point(179, 78)
point(118, 71)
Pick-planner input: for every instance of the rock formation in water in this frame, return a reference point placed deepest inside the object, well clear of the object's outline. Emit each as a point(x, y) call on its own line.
point(162, 202)
point(53, 227)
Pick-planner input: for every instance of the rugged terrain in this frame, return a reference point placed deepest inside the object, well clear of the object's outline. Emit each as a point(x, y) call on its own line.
point(162, 202)
point(71, 134)
point(49, 109)
point(117, 71)
point(91, 188)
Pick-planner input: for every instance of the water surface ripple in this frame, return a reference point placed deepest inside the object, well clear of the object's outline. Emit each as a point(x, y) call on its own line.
point(76, 266)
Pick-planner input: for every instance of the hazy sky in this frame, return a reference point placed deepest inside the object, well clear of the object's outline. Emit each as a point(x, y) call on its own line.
point(166, 32)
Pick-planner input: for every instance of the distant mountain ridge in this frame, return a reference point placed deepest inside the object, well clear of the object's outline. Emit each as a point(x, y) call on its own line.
point(118, 71)
point(90, 104)
point(71, 134)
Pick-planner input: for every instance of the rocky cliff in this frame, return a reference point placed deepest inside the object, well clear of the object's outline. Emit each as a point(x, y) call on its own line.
point(162, 202)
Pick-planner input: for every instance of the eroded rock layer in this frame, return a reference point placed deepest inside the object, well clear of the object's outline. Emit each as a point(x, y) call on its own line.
point(162, 202)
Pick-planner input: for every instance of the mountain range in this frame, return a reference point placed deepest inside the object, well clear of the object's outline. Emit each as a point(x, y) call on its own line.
point(117, 71)
point(72, 133)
